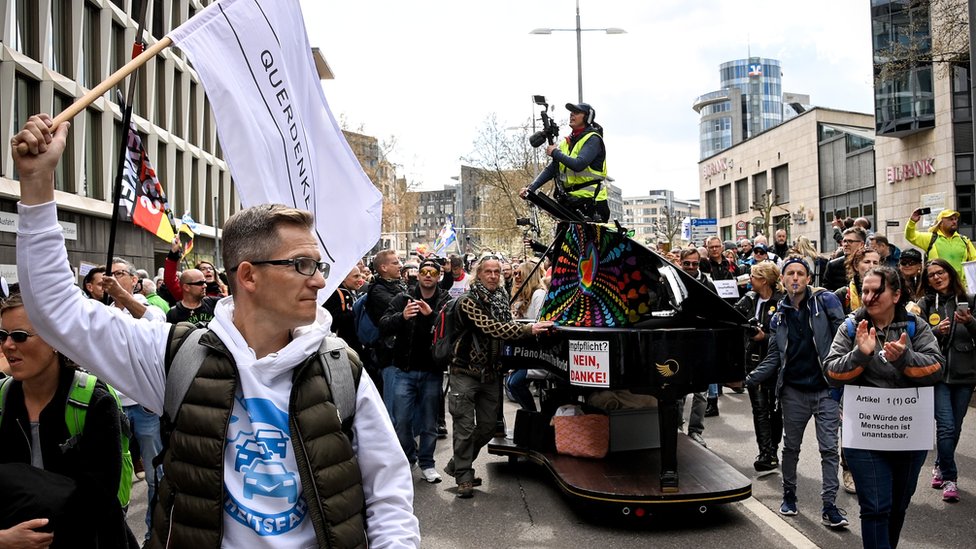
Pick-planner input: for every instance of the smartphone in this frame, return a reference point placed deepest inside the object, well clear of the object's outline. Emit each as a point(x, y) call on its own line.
point(924, 211)
point(964, 306)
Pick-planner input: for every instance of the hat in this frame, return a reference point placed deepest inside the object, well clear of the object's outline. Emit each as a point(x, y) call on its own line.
point(910, 255)
point(584, 108)
point(946, 213)
point(760, 248)
point(430, 263)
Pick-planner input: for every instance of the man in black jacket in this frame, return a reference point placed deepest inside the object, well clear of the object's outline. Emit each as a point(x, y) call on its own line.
point(416, 388)
point(386, 285)
point(835, 275)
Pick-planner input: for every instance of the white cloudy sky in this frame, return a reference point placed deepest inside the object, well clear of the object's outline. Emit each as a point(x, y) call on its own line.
point(431, 72)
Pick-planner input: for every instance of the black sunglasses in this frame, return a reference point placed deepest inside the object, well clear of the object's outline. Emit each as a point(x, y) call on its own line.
point(304, 265)
point(19, 336)
point(197, 283)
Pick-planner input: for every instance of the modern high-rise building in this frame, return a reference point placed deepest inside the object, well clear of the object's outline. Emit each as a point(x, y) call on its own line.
point(748, 101)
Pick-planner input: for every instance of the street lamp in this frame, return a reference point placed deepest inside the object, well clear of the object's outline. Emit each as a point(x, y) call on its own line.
point(579, 45)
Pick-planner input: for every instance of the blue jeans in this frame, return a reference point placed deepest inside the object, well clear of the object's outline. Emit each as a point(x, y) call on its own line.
point(798, 407)
point(885, 485)
point(951, 404)
point(415, 397)
point(389, 380)
point(145, 429)
point(518, 384)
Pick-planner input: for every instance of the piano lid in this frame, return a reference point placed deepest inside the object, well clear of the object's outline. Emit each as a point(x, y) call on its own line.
point(602, 278)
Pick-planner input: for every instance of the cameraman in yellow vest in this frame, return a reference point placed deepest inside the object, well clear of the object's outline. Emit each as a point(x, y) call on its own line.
point(579, 166)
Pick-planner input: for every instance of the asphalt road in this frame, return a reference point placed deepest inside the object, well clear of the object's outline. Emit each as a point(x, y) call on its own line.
point(519, 506)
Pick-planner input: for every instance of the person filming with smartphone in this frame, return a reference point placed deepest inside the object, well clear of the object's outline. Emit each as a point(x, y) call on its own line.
point(942, 240)
point(579, 166)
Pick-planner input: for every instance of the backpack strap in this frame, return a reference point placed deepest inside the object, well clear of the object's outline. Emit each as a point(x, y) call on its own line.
point(935, 236)
point(183, 368)
point(76, 409)
point(343, 381)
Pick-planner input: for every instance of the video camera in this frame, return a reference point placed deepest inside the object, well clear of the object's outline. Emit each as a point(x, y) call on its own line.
point(549, 131)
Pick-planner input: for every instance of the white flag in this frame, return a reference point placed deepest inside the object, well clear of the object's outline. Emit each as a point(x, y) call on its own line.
point(276, 130)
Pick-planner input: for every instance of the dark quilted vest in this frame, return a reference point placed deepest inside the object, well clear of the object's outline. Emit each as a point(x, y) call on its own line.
point(189, 511)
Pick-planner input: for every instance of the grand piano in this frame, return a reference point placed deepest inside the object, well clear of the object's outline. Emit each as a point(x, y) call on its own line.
point(627, 318)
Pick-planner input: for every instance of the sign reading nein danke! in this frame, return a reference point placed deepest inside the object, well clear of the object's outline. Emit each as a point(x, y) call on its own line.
point(589, 363)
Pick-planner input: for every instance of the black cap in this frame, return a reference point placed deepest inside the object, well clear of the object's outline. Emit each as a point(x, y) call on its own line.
point(584, 108)
point(430, 263)
point(910, 256)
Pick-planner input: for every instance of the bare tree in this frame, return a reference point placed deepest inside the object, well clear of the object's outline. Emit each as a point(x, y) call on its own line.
point(911, 41)
point(505, 163)
point(669, 225)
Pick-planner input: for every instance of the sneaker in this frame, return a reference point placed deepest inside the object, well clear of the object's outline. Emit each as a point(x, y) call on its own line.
point(788, 507)
point(834, 517)
point(936, 477)
point(765, 463)
point(431, 475)
point(698, 438)
point(950, 492)
point(848, 479)
point(465, 490)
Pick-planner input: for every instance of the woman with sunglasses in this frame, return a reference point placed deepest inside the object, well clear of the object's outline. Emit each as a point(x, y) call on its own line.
point(34, 431)
point(531, 292)
point(889, 348)
point(946, 306)
point(758, 305)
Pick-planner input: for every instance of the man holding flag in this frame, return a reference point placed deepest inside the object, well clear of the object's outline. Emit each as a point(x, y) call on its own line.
point(266, 453)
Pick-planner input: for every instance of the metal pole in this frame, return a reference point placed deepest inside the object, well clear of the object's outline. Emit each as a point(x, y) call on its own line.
point(216, 227)
point(579, 53)
point(972, 68)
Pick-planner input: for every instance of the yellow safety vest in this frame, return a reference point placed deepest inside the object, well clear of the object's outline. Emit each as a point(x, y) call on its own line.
point(586, 179)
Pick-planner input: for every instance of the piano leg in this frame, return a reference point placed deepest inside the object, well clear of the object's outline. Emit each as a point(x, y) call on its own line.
point(668, 422)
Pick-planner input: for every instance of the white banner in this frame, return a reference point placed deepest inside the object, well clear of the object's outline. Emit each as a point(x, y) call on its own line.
point(889, 419)
point(726, 288)
point(277, 133)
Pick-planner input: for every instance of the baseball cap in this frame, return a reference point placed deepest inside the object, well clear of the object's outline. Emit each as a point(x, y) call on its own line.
point(910, 256)
point(430, 263)
point(759, 248)
point(584, 108)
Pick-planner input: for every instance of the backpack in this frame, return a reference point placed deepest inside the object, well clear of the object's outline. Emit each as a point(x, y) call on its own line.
point(366, 330)
point(935, 237)
point(448, 330)
point(75, 412)
point(851, 326)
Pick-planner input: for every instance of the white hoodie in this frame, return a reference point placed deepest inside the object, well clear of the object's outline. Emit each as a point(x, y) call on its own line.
point(263, 502)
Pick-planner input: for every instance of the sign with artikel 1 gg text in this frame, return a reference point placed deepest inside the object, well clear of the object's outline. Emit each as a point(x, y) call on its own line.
point(888, 419)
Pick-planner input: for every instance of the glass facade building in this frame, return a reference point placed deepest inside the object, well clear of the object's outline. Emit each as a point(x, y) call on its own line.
point(904, 96)
point(749, 101)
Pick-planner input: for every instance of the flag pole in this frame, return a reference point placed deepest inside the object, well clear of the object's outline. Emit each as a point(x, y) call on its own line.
point(111, 81)
point(137, 46)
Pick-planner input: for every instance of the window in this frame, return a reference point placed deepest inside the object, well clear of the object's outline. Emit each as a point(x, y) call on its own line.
point(759, 188)
point(725, 200)
point(25, 102)
point(91, 185)
point(742, 196)
point(119, 51)
point(63, 178)
point(209, 213)
point(197, 206)
point(781, 183)
point(88, 60)
point(24, 28)
point(160, 92)
point(58, 39)
point(710, 209)
point(178, 119)
point(207, 126)
point(179, 204)
point(192, 135)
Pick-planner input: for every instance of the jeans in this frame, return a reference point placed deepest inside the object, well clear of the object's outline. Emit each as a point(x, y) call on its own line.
point(885, 485)
point(798, 407)
point(696, 421)
point(474, 406)
point(767, 419)
point(518, 385)
point(951, 404)
point(145, 429)
point(389, 379)
point(415, 396)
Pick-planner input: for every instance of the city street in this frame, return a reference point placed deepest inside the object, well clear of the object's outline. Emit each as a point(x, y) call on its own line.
point(519, 505)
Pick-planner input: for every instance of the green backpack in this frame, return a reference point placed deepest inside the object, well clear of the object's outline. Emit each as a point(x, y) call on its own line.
point(75, 411)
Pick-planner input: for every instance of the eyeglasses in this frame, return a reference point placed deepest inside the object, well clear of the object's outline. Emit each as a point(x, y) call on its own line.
point(196, 283)
point(850, 241)
point(429, 272)
point(117, 274)
point(759, 252)
point(689, 263)
point(19, 336)
point(205, 268)
point(937, 274)
point(304, 265)
point(908, 262)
